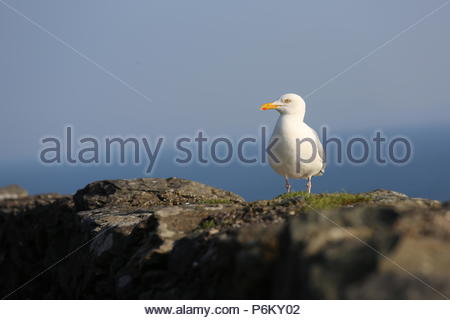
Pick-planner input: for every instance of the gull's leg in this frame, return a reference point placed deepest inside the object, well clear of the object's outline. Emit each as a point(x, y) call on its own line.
point(287, 185)
point(309, 185)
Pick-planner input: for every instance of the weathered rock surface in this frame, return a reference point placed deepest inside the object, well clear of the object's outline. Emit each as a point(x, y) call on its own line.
point(148, 192)
point(12, 192)
point(174, 238)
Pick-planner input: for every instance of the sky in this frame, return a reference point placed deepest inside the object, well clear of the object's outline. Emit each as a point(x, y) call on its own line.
point(171, 68)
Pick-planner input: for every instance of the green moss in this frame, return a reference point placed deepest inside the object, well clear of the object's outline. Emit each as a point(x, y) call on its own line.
point(327, 200)
point(207, 223)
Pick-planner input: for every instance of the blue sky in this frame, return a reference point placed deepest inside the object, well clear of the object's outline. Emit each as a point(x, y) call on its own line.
point(210, 64)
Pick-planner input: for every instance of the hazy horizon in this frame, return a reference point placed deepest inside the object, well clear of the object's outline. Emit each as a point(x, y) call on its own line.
point(256, 181)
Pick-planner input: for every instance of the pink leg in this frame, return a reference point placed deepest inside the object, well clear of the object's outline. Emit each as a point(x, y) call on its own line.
point(309, 185)
point(287, 184)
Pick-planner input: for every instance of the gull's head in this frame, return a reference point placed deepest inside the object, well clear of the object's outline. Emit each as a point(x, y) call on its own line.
point(289, 103)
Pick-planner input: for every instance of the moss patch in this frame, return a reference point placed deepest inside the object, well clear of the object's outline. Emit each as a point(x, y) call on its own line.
point(327, 200)
point(207, 223)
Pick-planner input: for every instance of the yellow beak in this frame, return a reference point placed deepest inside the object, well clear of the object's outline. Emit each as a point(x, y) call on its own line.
point(269, 106)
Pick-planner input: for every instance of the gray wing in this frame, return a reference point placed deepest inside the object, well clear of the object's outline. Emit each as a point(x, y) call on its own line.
point(320, 151)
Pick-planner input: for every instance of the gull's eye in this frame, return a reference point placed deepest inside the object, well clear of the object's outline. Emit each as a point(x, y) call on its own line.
point(287, 100)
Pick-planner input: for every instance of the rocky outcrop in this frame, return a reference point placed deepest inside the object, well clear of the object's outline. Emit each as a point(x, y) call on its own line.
point(174, 238)
point(148, 193)
point(12, 192)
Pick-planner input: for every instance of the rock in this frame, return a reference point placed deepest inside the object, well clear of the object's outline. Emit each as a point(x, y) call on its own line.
point(30, 203)
point(400, 200)
point(12, 192)
point(149, 192)
point(178, 239)
point(420, 256)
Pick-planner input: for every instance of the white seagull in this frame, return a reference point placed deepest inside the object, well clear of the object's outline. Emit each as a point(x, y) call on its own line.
point(297, 150)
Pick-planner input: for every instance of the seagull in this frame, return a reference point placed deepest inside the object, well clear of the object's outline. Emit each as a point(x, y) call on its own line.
point(296, 148)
